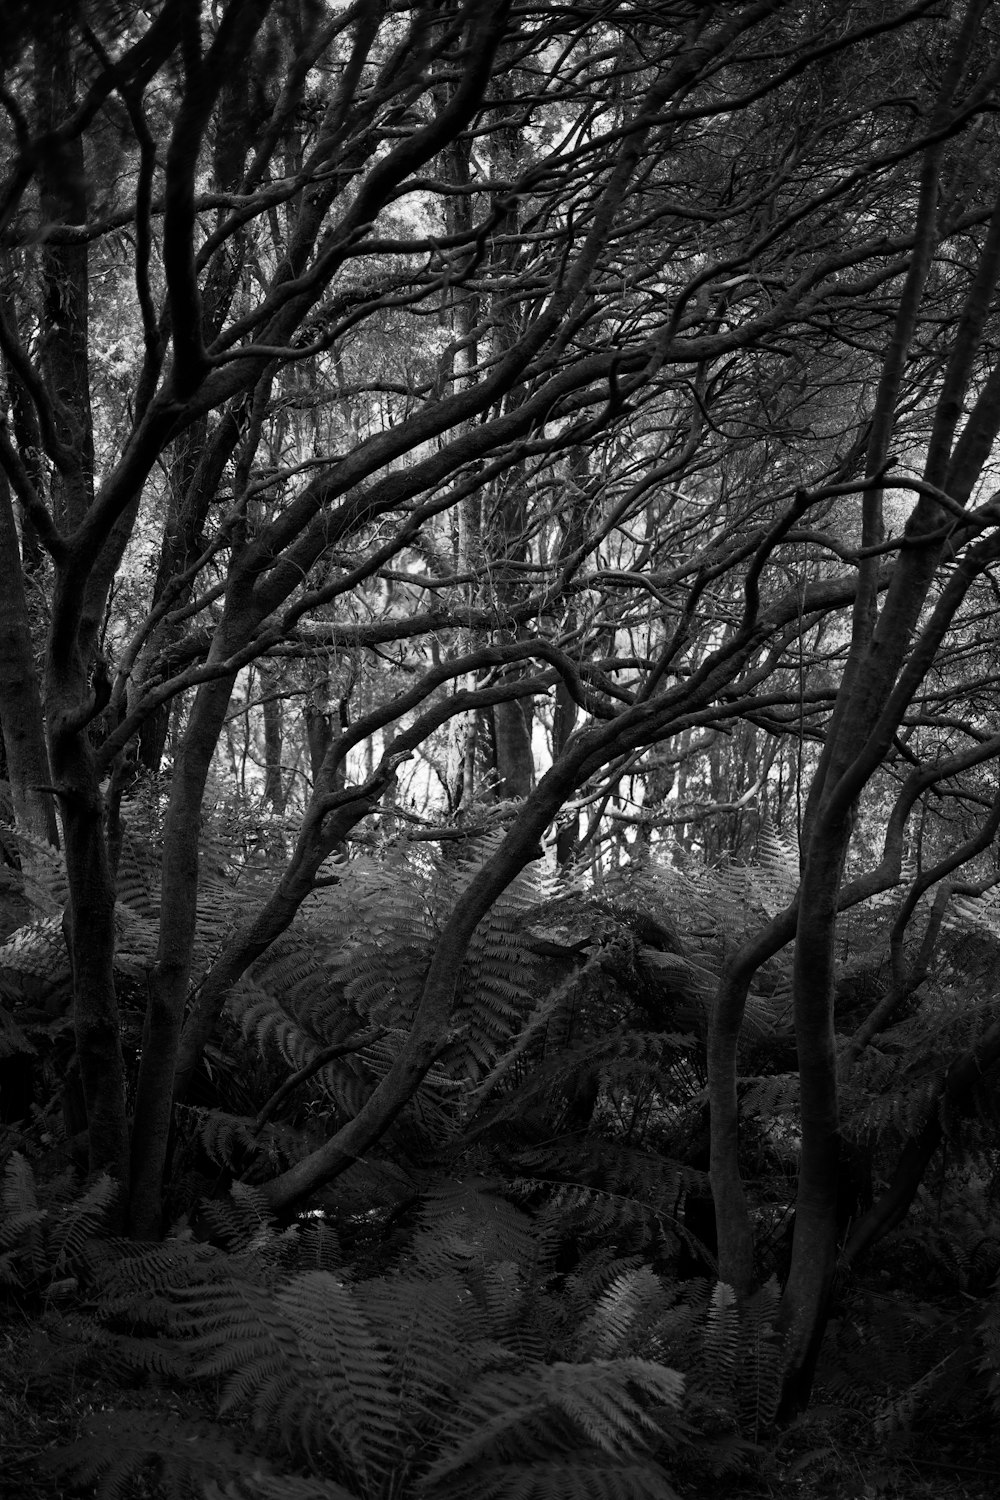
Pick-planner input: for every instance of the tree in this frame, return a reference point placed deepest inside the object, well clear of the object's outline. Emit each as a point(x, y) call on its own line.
point(440, 363)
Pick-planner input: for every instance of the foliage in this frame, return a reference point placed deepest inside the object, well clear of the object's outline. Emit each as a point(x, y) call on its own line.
point(44, 1245)
point(498, 684)
point(428, 1379)
point(519, 1331)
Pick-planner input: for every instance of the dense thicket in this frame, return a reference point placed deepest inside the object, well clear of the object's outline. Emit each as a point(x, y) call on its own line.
point(561, 437)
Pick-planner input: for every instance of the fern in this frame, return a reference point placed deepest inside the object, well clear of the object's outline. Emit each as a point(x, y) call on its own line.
point(137, 1285)
point(778, 866)
point(989, 1334)
point(469, 1222)
point(136, 941)
point(621, 1320)
point(13, 1041)
point(602, 1404)
point(120, 1453)
point(40, 1244)
point(43, 879)
point(78, 1223)
point(546, 1016)
point(241, 1222)
point(721, 1343)
point(728, 1349)
point(562, 1479)
point(761, 1372)
point(431, 1381)
point(895, 1360)
point(301, 1362)
point(317, 1247)
point(138, 877)
point(19, 1194)
point(22, 1239)
point(227, 1139)
point(37, 950)
point(261, 1485)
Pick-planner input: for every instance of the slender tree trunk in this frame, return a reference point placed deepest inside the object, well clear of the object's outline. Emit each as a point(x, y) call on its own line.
point(70, 695)
point(172, 972)
point(274, 790)
point(20, 696)
point(806, 1296)
point(96, 1019)
point(735, 1233)
point(564, 717)
point(65, 275)
point(512, 742)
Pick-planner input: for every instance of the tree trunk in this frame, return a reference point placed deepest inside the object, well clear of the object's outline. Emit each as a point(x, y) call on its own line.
point(20, 696)
point(274, 790)
point(805, 1302)
point(171, 974)
point(96, 1019)
point(512, 740)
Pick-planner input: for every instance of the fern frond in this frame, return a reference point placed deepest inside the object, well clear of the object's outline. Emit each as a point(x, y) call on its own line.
point(25, 1261)
point(13, 1041)
point(79, 1222)
point(136, 1283)
point(608, 1399)
point(138, 878)
point(37, 949)
point(762, 1362)
point(777, 871)
point(603, 1404)
point(588, 1478)
point(353, 1387)
point(870, 1116)
point(262, 1018)
point(300, 969)
point(301, 1361)
point(608, 1190)
point(319, 1018)
point(19, 1194)
point(121, 1451)
point(721, 1343)
point(43, 873)
point(261, 1485)
point(534, 1030)
point(217, 912)
point(22, 1248)
point(136, 939)
point(422, 1325)
point(226, 1138)
point(467, 1224)
point(317, 1247)
point(125, 1355)
point(243, 1221)
point(989, 1334)
point(773, 1096)
point(622, 1318)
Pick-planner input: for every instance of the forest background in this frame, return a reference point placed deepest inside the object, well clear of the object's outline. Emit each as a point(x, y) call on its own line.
point(499, 528)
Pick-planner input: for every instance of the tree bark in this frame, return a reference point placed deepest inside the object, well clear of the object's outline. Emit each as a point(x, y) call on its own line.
point(274, 789)
point(96, 1020)
point(20, 695)
point(172, 971)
